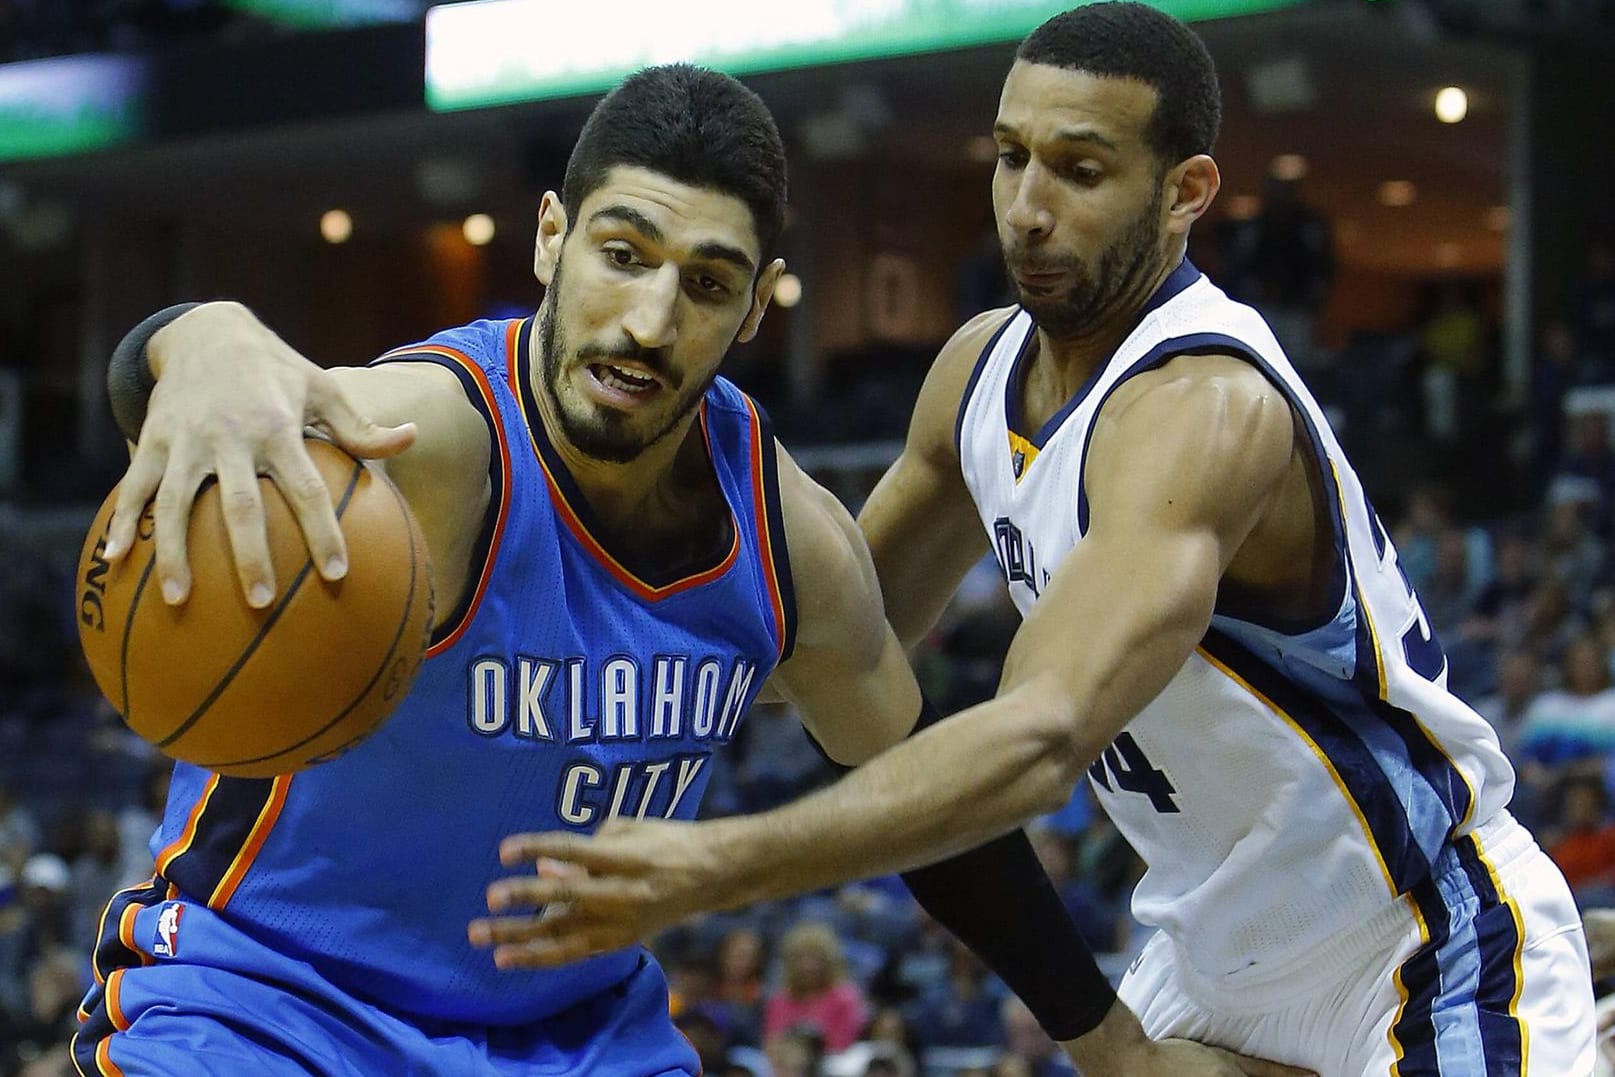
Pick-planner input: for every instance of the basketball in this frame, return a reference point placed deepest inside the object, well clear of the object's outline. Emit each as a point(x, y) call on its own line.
point(253, 693)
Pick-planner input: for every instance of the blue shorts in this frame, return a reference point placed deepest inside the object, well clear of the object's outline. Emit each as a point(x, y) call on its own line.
point(226, 1004)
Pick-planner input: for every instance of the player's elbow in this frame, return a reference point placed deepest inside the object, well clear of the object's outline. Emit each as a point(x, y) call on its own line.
point(1058, 744)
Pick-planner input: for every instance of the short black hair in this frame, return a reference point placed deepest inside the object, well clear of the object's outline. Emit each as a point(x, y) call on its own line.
point(1134, 41)
point(694, 125)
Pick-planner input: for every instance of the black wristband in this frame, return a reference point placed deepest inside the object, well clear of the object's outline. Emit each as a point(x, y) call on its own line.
point(997, 900)
point(129, 379)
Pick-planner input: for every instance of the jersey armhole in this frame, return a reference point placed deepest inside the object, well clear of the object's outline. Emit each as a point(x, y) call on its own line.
point(771, 527)
point(474, 382)
point(975, 376)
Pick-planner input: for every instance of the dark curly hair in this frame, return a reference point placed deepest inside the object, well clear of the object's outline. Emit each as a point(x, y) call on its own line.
point(694, 125)
point(1134, 41)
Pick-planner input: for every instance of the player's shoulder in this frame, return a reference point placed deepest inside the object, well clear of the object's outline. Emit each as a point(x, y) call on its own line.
point(965, 347)
point(943, 395)
point(1194, 384)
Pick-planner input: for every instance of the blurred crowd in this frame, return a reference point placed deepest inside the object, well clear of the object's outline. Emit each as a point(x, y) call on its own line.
point(858, 982)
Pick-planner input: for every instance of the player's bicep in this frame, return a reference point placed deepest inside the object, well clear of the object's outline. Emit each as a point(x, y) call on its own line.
point(848, 676)
point(1176, 478)
point(920, 520)
point(444, 474)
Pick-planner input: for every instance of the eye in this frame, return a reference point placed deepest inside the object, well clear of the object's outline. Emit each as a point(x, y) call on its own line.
point(710, 285)
point(1012, 158)
point(620, 254)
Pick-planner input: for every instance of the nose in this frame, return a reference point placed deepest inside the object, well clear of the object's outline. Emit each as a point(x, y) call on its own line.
point(652, 320)
point(1028, 213)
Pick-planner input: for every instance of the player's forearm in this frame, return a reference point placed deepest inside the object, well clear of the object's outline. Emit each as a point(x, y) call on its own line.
point(950, 788)
point(974, 776)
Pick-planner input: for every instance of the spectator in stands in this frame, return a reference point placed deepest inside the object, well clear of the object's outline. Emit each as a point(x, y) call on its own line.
point(1519, 681)
point(1551, 625)
point(1569, 551)
point(1028, 1050)
point(1282, 262)
point(1596, 311)
point(39, 1033)
point(19, 833)
point(138, 822)
point(1427, 518)
point(778, 763)
point(1582, 839)
point(34, 925)
point(1552, 375)
point(741, 962)
point(963, 1009)
point(1570, 730)
point(1503, 606)
point(889, 1026)
point(1453, 344)
point(796, 1052)
point(97, 871)
point(816, 991)
point(1590, 457)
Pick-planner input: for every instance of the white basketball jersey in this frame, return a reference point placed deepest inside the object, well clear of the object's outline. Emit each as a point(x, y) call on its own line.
point(1292, 780)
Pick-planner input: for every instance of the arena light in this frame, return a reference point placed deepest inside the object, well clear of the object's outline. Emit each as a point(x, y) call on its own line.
point(336, 226)
point(478, 229)
point(1397, 193)
point(1452, 104)
point(494, 52)
point(71, 104)
point(788, 292)
point(1289, 167)
point(326, 14)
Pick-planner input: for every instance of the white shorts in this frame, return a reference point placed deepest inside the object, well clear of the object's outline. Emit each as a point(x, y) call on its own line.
point(1492, 980)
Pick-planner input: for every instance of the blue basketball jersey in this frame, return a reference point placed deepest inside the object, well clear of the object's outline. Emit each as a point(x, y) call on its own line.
point(566, 689)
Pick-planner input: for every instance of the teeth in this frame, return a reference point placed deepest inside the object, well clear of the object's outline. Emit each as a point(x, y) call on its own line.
point(623, 380)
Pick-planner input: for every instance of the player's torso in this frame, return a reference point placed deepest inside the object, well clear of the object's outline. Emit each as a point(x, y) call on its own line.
point(1292, 779)
point(565, 690)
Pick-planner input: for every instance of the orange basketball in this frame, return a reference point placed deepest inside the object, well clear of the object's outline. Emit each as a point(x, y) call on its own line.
point(254, 693)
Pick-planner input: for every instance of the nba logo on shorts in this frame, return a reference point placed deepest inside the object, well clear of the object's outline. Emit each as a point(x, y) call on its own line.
point(167, 941)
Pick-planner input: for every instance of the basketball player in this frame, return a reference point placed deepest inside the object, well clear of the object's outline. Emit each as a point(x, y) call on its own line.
point(614, 535)
point(1216, 634)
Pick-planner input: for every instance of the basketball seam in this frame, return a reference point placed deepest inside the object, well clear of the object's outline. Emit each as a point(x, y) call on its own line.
point(386, 661)
point(263, 629)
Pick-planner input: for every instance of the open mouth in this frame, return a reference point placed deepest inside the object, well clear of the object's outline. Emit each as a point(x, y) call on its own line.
point(622, 383)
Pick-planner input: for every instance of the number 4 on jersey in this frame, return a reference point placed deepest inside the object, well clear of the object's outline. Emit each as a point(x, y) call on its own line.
point(1125, 763)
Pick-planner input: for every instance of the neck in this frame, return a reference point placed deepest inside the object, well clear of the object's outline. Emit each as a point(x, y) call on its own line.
point(617, 492)
point(1075, 357)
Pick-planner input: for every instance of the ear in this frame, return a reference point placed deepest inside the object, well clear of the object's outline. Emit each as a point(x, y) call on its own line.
point(1191, 187)
point(767, 280)
point(552, 226)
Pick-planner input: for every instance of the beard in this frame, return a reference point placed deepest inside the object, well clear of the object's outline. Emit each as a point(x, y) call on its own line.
point(595, 430)
point(1094, 295)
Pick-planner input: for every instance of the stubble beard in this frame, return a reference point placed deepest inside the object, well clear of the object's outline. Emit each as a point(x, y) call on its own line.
point(599, 432)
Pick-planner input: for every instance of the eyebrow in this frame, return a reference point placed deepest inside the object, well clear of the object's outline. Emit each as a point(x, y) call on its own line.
point(711, 250)
point(1069, 134)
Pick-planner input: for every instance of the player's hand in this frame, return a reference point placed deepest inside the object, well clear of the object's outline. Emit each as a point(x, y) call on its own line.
point(595, 894)
point(1119, 1047)
point(232, 400)
point(1181, 1058)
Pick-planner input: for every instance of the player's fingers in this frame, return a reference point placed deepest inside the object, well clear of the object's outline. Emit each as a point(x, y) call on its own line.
point(1257, 1067)
point(299, 481)
point(171, 520)
point(331, 408)
point(585, 894)
point(616, 853)
point(546, 953)
point(243, 506)
point(138, 485)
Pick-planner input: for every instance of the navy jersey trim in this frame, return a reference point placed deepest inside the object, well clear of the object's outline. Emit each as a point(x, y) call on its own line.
point(228, 826)
point(1222, 344)
point(774, 521)
point(975, 376)
point(1362, 778)
point(1179, 279)
point(484, 549)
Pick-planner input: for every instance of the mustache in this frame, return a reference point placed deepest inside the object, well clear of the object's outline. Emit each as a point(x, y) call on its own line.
point(653, 359)
point(1018, 258)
